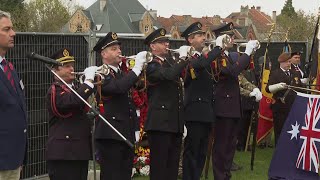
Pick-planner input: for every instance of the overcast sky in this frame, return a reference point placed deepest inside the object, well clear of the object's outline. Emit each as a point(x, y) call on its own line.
point(198, 8)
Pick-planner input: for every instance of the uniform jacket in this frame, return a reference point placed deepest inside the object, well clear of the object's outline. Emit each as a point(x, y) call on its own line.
point(199, 92)
point(165, 98)
point(278, 76)
point(227, 89)
point(69, 127)
point(119, 109)
point(298, 71)
point(13, 123)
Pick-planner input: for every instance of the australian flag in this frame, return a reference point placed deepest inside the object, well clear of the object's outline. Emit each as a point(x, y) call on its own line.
point(296, 156)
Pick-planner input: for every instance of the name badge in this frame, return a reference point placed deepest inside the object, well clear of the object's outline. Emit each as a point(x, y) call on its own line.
point(21, 85)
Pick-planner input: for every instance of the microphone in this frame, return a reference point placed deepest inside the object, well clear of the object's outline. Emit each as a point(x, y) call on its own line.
point(43, 59)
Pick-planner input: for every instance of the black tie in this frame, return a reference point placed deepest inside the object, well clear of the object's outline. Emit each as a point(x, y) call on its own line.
point(287, 73)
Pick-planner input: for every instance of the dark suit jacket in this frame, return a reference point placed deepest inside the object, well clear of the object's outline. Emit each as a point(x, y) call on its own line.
point(69, 127)
point(294, 69)
point(165, 99)
point(227, 89)
point(119, 109)
point(278, 76)
point(199, 92)
point(13, 123)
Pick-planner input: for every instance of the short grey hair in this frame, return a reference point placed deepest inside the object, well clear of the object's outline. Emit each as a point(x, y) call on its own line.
point(4, 14)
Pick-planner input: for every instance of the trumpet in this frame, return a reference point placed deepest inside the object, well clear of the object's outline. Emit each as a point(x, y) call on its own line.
point(191, 51)
point(130, 60)
point(100, 73)
point(239, 45)
point(210, 44)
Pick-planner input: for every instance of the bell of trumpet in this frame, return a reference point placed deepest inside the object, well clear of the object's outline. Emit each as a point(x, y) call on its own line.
point(190, 51)
point(102, 71)
point(130, 60)
point(243, 45)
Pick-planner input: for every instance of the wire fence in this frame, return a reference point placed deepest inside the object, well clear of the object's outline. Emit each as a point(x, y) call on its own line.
point(37, 78)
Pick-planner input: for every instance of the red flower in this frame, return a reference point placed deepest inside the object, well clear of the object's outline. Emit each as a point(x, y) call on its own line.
point(147, 162)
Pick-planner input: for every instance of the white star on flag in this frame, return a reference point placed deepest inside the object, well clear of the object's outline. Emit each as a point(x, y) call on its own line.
point(295, 131)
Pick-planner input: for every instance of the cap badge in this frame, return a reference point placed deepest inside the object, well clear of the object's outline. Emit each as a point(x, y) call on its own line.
point(66, 53)
point(162, 32)
point(114, 36)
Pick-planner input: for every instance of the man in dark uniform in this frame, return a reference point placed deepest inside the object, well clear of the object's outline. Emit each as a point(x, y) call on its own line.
point(116, 156)
point(164, 124)
point(283, 97)
point(295, 63)
point(68, 147)
point(199, 111)
point(227, 106)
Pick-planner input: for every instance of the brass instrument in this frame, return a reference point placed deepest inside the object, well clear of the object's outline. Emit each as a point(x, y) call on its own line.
point(130, 60)
point(239, 45)
point(190, 52)
point(226, 43)
point(102, 70)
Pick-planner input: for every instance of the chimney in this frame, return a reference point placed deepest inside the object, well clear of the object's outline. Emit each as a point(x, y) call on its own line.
point(253, 7)
point(259, 8)
point(274, 16)
point(153, 13)
point(103, 4)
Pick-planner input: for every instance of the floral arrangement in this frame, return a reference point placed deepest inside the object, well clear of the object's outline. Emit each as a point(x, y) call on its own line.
point(141, 163)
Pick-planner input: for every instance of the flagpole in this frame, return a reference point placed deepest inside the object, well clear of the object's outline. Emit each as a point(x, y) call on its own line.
point(254, 120)
point(312, 47)
point(301, 88)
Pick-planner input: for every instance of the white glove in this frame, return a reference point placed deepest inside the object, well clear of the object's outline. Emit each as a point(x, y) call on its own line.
point(305, 80)
point(277, 87)
point(251, 46)
point(220, 39)
point(137, 135)
point(258, 94)
point(90, 72)
point(183, 51)
point(140, 59)
point(185, 132)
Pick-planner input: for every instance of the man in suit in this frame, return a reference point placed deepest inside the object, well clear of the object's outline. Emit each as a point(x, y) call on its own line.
point(283, 97)
point(164, 124)
point(13, 128)
point(199, 100)
point(227, 105)
point(117, 107)
point(295, 63)
point(68, 148)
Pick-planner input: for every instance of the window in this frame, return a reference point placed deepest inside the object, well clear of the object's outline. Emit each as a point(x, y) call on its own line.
point(146, 28)
point(79, 28)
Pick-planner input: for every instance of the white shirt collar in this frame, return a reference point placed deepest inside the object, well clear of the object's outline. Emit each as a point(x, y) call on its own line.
point(284, 70)
point(161, 58)
point(1, 59)
point(114, 68)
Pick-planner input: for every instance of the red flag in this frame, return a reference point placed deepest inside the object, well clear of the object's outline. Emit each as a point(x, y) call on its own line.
point(265, 121)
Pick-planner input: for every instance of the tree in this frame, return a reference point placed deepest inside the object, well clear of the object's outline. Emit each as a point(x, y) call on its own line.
point(288, 9)
point(16, 8)
point(301, 26)
point(47, 15)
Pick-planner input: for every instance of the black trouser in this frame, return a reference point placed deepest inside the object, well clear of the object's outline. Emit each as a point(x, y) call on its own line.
point(165, 150)
point(116, 159)
point(243, 125)
point(279, 118)
point(195, 149)
point(68, 169)
point(225, 139)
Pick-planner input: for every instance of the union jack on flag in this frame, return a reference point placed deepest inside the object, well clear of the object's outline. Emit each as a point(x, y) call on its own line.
point(296, 155)
point(308, 158)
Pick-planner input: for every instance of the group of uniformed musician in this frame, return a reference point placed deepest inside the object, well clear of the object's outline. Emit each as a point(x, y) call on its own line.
point(196, 90)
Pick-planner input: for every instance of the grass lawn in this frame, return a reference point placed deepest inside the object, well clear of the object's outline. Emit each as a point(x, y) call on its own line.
point(260, 171)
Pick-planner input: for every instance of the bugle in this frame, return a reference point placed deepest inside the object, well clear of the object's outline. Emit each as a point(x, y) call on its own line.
point(191, 51)
point(239, 45)
point(101, 71)
point(130, 60)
